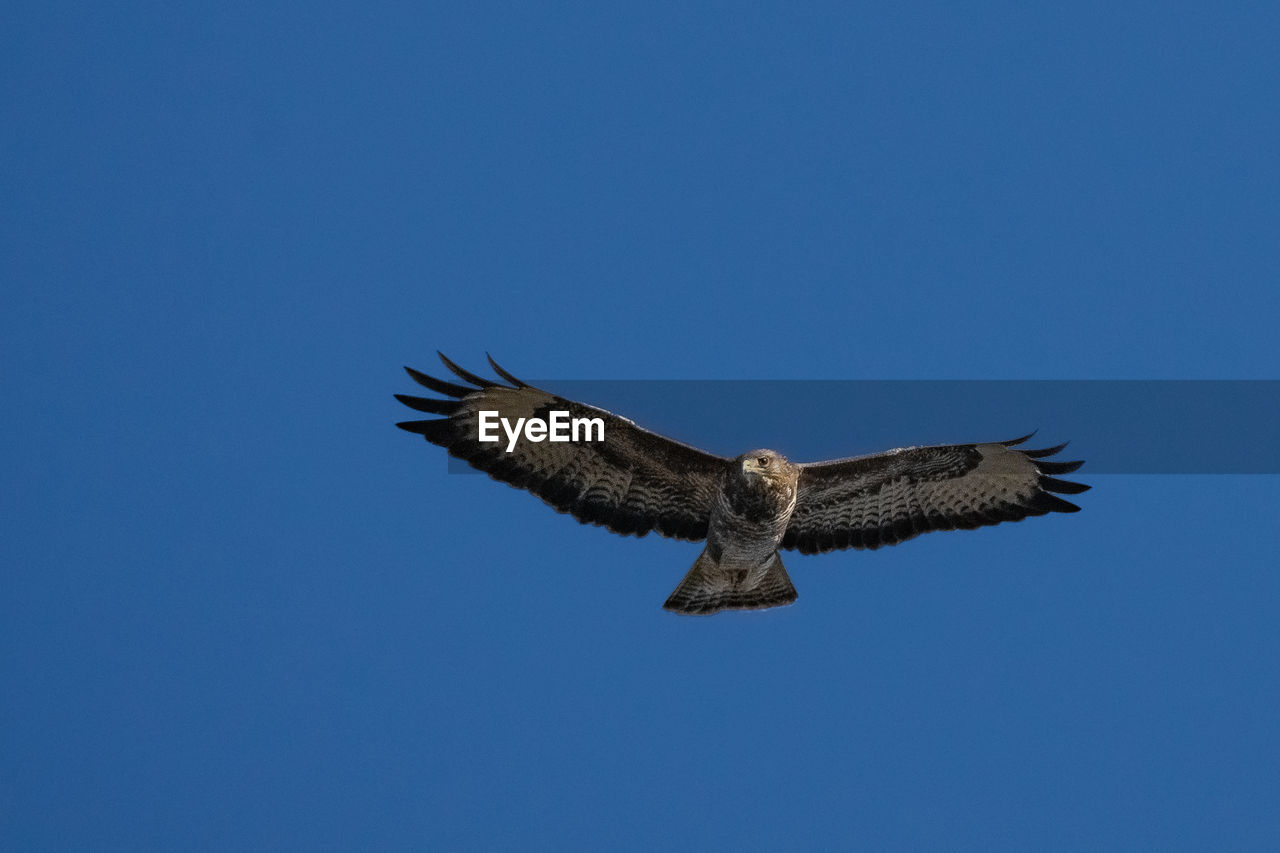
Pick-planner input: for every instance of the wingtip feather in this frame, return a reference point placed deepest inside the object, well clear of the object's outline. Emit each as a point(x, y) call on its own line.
point(439, 431)
point(1062, 487)
point(478, 381)
point(1016, 441)
point(1047, 467)
point(412, 426)
point(497, 368)
point(426, 404)
point(1052, 503)
point(438, 385)
point(1048, 451)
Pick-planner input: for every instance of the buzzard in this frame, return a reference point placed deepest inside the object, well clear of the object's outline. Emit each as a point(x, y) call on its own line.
point(748, 508)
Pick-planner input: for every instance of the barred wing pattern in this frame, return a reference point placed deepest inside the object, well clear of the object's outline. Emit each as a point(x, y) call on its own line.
point(633, 482)
point(887, 498)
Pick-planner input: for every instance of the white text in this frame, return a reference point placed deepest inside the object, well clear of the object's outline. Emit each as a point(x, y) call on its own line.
point(558, 427)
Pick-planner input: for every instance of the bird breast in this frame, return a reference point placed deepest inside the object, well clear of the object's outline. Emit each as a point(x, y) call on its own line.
point(756, 505)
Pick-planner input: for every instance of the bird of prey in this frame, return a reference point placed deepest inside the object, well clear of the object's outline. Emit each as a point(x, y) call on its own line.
point(747, 508)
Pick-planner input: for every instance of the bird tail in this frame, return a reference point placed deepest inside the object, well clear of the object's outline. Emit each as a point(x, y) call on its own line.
point(710, 587)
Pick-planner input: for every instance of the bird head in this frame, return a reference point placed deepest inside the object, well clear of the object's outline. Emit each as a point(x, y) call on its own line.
point(763, 463)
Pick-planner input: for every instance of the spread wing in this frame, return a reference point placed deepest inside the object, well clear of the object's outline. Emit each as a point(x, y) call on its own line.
point(887, 498)
point(632, 482)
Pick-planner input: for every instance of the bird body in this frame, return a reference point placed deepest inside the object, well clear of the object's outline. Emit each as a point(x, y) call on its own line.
point(740, 568)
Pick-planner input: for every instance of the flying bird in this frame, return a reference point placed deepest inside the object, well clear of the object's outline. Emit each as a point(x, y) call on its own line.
point(747, 509)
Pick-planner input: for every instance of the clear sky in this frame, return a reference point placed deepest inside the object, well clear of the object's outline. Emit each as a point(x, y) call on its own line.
point(242, 611)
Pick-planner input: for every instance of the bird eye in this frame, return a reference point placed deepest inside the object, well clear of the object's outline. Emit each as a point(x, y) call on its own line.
point(763, 460)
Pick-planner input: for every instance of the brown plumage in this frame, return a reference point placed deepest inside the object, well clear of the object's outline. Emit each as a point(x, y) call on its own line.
point(747, 508)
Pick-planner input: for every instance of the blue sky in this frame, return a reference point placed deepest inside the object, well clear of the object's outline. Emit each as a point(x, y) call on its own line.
point(242, 611)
